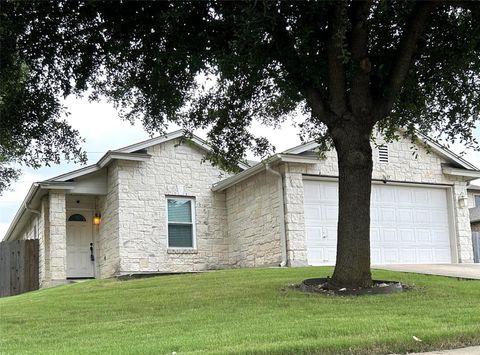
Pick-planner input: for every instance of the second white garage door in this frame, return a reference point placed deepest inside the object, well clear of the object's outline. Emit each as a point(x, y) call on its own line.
point(409, 224)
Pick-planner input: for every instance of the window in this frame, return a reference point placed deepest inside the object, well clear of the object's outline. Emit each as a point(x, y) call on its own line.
point(77, 218)
point(181, 231)
point(477, 200)
point(383, 153)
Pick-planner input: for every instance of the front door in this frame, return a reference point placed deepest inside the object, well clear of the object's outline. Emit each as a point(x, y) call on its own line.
point(79, 243)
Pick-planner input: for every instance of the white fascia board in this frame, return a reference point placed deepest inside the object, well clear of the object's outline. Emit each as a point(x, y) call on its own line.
point(445, 152)
point(18, 216)
point(56, 185)
point(287, 158)
point(170, 136)
point(76, 173)
point(114, 155)
point(232, 180)
point(292, 158)
point(448, 170)
point(151, 142)
point(301, 148)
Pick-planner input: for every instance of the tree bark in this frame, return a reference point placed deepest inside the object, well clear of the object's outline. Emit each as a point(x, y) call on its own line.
point(352, 268)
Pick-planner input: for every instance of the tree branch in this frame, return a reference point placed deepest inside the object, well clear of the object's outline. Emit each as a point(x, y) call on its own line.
point(405, 53)
point(360, 98)
point(336, 71)
point(288, 57)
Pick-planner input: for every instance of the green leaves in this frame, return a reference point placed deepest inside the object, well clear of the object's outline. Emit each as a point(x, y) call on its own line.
point(151, 59)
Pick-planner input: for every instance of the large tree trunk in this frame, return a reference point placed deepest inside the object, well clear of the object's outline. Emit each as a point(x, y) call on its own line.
point(352, 268)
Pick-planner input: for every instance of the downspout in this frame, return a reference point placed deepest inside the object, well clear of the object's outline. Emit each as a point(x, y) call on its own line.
point(283, 239)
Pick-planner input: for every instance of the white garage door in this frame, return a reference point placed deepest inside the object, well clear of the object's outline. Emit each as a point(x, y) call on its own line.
point(409, 225)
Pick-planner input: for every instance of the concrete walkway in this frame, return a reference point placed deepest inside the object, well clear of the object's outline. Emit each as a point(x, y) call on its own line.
point(467, 271)
point(473, 350)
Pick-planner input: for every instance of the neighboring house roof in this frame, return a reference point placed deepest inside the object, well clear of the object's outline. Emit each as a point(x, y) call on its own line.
point(473, 187)
point(134, 152)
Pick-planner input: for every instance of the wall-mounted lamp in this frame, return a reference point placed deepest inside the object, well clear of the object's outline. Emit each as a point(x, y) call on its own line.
point(462, 200)
point(97, 219)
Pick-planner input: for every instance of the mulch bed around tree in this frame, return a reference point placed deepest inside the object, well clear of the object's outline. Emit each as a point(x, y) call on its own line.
point(320, 285)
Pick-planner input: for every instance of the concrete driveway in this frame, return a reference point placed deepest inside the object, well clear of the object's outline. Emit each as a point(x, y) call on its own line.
point(467, 271)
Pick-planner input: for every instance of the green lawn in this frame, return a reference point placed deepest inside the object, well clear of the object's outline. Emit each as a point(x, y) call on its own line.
point(239, 311)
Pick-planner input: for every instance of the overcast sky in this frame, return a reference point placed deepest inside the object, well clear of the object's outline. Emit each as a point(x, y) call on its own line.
point(102, 129)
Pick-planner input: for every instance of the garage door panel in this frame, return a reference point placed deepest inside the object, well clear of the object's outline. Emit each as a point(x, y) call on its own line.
point(407, 256)
point(404, 216)
point(390, 255)
point(407, 235)
point(437, 198)
point(387, 214)
point(442, 255)
point(422, 198)
point(374, 235)
point(426, 255)
point(409, 224)
point(312, 213)
point(376, 255)
point(422, 236)
point(389, 236)
point(405, 197)
point(422, 216)
point(314, 236)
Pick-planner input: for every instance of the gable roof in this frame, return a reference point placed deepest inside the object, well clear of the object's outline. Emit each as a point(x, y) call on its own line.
point(133, 152)
point(461, 166)
point(432, 144)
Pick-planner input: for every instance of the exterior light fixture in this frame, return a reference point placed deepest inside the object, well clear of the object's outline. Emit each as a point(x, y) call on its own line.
point(462, 200)
point(97, 219)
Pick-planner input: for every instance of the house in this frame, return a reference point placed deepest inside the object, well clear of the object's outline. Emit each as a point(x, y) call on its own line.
point(473, 193)
point(155, 207)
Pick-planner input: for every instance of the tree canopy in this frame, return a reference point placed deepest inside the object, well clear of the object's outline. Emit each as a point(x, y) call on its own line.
point(350, 66)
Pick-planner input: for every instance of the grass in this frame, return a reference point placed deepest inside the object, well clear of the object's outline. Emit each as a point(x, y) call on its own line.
point(242, 311)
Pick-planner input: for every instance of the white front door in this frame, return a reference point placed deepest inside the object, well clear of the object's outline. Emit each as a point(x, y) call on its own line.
point(409, 224)
point(79, 242)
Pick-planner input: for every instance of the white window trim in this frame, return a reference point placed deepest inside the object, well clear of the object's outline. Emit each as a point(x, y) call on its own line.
point(193, 223)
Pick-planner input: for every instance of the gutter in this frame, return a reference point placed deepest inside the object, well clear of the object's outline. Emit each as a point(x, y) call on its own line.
point(283, 239)
point(26, 203)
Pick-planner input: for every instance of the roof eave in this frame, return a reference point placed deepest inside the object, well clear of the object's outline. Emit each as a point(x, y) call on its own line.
point(286, 158)
point(18, 216)
point(466, 173)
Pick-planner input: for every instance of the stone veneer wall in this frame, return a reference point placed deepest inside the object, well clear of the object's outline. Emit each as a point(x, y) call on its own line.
point(253, 221)
point(173, 170)
point(403, 166)
point(58, 232)
point(107, 233)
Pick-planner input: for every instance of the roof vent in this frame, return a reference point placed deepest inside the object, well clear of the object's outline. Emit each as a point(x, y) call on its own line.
point(383, 153)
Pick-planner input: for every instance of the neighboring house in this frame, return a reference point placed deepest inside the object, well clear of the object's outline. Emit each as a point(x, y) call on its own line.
point(159, 208)
point(474, 207)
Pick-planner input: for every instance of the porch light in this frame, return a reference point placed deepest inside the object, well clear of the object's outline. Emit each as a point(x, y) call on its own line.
point(97, 219)
point(462, 200)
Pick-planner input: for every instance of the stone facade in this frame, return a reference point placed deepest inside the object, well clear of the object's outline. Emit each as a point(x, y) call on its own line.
point(405, 164)
point(253, 221)
point(58, 231)
point(172, 170)
point(240, 227)
point(107, 237)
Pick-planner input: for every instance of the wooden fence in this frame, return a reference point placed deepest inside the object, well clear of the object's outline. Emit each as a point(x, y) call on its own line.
point(476, 246)
point(18, 267)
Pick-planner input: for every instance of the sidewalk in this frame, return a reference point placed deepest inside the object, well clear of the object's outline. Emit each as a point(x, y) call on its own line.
point(472, 350)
